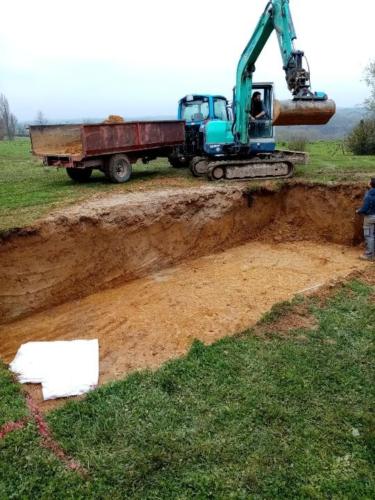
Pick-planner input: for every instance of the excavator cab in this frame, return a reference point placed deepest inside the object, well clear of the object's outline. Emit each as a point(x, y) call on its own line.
point(218, 138)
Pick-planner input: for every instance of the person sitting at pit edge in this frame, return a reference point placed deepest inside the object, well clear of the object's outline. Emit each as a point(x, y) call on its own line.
point(368, 210)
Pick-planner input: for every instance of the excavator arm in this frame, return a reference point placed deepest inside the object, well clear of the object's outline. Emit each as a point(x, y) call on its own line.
point(297, 78)
point(276, 16)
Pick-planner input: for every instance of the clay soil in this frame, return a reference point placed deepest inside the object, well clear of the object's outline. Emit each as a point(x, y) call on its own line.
point(109, 241)
point(148, 273)
point(145, 322)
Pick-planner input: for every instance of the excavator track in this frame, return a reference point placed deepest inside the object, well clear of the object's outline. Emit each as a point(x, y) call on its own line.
point(200, 165)
point(245, 169)
point(242, 169)
point(296, 157)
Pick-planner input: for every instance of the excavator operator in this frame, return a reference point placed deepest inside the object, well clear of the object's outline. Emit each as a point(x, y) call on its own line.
point(258, 111)
point(257, 116)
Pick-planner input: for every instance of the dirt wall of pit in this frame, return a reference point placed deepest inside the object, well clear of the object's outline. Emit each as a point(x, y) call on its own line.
point(106, 242)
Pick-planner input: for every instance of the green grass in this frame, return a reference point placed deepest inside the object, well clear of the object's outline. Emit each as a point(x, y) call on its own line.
point(329, 162)
point(29, 191)
point(12, 403)
point(29, 471)
point(247, 417)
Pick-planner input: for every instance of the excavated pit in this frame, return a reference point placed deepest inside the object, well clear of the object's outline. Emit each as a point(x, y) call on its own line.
point(147, 273)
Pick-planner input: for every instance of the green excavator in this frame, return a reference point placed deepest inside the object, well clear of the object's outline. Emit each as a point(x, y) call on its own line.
point(224, 141)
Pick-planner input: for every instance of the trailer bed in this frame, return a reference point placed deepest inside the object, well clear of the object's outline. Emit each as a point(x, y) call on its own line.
point(86, 141)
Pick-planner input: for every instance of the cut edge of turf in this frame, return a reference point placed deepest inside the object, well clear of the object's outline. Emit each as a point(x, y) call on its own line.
point(359, 284)
point(269, 325)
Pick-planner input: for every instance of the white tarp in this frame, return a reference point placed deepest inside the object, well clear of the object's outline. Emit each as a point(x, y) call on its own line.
point(64, 368)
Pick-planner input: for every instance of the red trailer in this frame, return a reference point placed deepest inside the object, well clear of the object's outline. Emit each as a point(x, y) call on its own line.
point(109, 147)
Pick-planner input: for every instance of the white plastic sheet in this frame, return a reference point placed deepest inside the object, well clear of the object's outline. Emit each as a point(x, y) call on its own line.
point(64, 368)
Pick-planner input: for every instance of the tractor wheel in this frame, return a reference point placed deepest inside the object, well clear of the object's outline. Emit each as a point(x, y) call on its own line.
point(79, 174)
point(118, 168)
point(177, 162)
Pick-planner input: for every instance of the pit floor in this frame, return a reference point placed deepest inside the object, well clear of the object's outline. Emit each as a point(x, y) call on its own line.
point(145, 322)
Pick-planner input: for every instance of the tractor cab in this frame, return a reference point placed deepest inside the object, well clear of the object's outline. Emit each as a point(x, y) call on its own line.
point(197, 109)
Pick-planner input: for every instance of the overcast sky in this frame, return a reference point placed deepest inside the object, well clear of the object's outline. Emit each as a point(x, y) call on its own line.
point(77, 59)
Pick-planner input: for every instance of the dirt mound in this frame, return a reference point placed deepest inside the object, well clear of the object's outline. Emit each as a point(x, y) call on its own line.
point(109, 241)
point(114, 119)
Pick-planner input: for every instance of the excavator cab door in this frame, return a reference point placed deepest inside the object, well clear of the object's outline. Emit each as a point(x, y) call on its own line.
point(262, 128)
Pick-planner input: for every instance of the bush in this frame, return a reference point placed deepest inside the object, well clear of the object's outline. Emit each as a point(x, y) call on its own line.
point(361, 140)
point(298, 143)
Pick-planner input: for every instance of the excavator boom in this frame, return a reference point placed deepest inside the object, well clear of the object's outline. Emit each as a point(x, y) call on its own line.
point(306, 107)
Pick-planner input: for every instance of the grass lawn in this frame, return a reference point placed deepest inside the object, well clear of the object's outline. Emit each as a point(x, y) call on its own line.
point(12, 406)
point(29, 191)
point(330, 163)
point(262, 415)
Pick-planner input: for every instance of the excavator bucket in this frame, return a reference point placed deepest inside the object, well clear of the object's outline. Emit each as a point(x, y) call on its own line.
point(303, 112)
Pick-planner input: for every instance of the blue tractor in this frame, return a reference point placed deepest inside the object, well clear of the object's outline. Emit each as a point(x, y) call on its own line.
point(196, 110)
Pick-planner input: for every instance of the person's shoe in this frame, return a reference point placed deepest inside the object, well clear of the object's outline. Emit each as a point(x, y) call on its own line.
point(367, 257)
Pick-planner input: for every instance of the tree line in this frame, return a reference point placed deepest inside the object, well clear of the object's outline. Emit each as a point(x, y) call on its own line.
point(8, 121)
point(361, 140)
point(9, 125)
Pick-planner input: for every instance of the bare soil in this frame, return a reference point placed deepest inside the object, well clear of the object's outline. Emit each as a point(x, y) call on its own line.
point(145, 322)
point(147, 273)
point(106, 242)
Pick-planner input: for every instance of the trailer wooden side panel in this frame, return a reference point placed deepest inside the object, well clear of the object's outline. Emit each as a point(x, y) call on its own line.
point(131, 136)
point(85, 141)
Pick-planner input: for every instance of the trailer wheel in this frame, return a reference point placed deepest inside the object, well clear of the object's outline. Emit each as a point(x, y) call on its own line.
point(118, 168)
point(79, 174)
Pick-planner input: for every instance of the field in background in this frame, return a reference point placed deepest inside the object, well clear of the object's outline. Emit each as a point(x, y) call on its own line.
point(29, 191)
